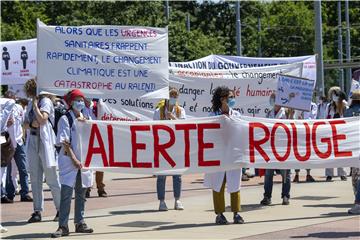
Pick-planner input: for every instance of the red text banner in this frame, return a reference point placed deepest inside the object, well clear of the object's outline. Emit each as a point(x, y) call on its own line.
point(217, 144)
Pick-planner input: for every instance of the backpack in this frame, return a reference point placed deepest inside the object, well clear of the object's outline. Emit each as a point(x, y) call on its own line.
point(59, 112)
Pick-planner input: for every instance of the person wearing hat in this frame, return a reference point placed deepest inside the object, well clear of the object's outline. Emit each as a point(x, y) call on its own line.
point(335, 109)
point(354, 110)
point(40, 118)
point(72, 176)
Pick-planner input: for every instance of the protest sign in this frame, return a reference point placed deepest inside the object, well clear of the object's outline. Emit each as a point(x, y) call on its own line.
point(238, 62)
point(217, 144)
point(103, 61)
point(252, 88)
point(18, 61)
point(18, 89)
point(294, 92)
point(355, 85)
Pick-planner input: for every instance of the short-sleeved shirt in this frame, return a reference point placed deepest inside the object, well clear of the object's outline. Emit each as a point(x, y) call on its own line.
point(181, 116)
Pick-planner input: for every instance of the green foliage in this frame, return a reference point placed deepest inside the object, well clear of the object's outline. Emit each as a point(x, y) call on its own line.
point(287, 27)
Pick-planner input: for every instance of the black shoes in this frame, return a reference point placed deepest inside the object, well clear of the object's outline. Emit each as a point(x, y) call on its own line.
point(328, 178)
point(266, 201)
point(83, 228)
point(35, 217)
point(343, 178)
point(56, 218)
point(310, 178)
point(221, 219)
point(296, 178)
point(5, 199)
point(102, 193)
point(87, 194)
point(238, 219)
point(26, 198)
point(60, 232)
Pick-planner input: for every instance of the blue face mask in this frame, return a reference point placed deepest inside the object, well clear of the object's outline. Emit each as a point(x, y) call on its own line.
point(231, 102)
point(172, 101)
point(78, 105)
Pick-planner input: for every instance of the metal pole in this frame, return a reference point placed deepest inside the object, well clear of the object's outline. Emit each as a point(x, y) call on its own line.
point(319, 49)
point(188, 22)
point(340, 49)
point(259, 34)
point(238, 29)
point(167, 11)
point(347, 47)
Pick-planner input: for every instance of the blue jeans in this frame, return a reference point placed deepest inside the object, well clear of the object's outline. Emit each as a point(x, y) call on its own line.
point(65, 202)
point(357, 196)
point(286, 183)
point(160, 186)
point(20, 160)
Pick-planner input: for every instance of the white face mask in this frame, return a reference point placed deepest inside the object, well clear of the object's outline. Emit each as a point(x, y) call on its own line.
point(335, 98)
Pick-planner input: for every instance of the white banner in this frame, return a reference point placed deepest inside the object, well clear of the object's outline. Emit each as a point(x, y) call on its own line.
point(252, 88)
point(218, 144)
point(103, 61)
point(238, 62)
point(18, 61)
point(294, 92)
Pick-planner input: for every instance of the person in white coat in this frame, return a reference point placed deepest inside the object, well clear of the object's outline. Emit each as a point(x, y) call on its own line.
point(276, 112)
point(40, 117)
point(72, 176)
point(222, 102)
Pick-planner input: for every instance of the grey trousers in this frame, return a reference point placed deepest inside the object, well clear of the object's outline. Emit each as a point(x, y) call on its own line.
point(37, 166)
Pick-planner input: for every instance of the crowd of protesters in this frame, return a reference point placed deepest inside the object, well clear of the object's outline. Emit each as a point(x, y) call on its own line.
point(39, 143)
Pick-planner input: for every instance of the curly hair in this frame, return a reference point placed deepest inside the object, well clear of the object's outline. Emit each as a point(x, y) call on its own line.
point(219, 92)
point(30, 88)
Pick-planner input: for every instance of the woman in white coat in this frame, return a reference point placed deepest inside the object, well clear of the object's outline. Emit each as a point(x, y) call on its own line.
point(222, 102)
point(72, 176)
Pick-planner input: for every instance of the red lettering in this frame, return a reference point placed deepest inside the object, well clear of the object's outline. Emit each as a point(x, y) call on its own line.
point(323, 140)
point(136, 146)
point(186, 128)
point(256, 144)
point(112, 162)
point(94, 132)
point(337, 137)
point(161, 148)
point(295, 142)
point(202, 145)
point(272, 141)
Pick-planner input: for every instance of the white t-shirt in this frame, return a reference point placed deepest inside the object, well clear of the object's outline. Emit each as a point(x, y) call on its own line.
point(15, 130)
point(182, 113)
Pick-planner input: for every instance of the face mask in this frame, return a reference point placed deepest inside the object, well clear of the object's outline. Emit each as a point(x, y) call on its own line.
point(172, 101)
point(335, 98)
point(78, 105)
point(231, 102)
point(272, 102)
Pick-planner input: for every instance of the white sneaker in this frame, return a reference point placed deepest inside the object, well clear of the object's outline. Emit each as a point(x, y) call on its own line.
point(162, 206)
point(355, 209)
point(178, 205)
point(2, 229)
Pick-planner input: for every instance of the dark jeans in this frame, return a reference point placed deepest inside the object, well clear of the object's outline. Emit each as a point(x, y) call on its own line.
point(20, 160)
point(357, 196)
point(286, 182)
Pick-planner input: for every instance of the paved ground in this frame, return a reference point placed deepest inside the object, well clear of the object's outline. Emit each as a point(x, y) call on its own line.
point(317, 210)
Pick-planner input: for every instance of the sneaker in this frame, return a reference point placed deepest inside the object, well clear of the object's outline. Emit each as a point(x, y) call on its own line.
point(83, 228)
point(249, 174)
point(343, 178)
point(102, 193)
point(60, 232)
point(355, 209)
point(285, 201)
point(238, 219)
point(35, 217)
point(162, 206)
point(56, 218)
point(266, 201)
point(5, 199)
point(87, 194)
point(2, 229)
point(178, 205)
point(26, 198)
point(221, 219)
point(244, 177)
point(296, 178)
point(310, 178)
point(328, 178)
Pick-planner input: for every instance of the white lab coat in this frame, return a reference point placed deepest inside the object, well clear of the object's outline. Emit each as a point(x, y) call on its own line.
point(67, 170)
point(233, 177)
